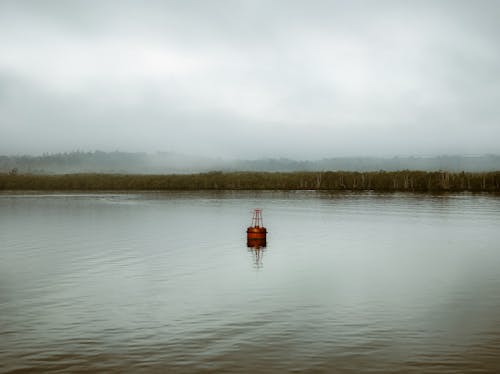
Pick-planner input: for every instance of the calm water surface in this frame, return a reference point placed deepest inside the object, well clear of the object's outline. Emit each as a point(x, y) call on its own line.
point(164, 282)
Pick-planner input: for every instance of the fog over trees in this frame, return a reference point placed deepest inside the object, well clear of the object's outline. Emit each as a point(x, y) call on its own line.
point(165, 163)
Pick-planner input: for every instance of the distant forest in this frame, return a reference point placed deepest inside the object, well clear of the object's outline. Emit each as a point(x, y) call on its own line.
point(170, 163)
point(354, 181)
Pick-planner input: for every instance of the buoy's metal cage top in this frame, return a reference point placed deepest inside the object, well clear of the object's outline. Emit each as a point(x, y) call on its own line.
point(257, 218)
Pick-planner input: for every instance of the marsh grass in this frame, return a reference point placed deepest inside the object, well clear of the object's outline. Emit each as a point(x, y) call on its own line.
point(338, 180)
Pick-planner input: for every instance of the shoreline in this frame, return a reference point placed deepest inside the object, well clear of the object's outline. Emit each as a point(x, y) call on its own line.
point(375, 181)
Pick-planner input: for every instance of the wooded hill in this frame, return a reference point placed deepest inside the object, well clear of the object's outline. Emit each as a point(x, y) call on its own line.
point(169, 163)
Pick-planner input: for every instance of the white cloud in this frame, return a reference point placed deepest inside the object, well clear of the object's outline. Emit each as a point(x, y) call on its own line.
point(307, 75)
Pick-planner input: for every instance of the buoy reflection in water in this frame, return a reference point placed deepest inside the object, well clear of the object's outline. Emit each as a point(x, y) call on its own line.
point(257, 254)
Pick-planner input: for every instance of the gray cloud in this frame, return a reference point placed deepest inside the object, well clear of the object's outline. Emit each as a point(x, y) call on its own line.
point(250, 78)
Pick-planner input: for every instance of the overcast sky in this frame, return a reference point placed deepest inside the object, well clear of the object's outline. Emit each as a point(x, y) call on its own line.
point(250, 79)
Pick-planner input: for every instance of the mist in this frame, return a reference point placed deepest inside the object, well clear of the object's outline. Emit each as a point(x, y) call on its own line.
point(173, 163)
point(250, 79)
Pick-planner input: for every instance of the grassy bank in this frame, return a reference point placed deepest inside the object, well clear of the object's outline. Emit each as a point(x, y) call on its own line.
point(355, 181)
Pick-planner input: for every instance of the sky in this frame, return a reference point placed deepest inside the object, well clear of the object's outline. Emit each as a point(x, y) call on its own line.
point(250, 79)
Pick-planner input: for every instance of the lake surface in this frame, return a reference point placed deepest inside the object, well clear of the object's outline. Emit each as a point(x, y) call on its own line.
point(164, 282)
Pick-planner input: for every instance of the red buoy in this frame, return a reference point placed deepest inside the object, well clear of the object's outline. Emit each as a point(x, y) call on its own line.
point(256, 234)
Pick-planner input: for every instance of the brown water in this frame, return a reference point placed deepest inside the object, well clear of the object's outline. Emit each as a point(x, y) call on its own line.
point(164, 283)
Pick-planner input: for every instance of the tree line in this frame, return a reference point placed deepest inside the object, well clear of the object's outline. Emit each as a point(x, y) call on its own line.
point(339, 180)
